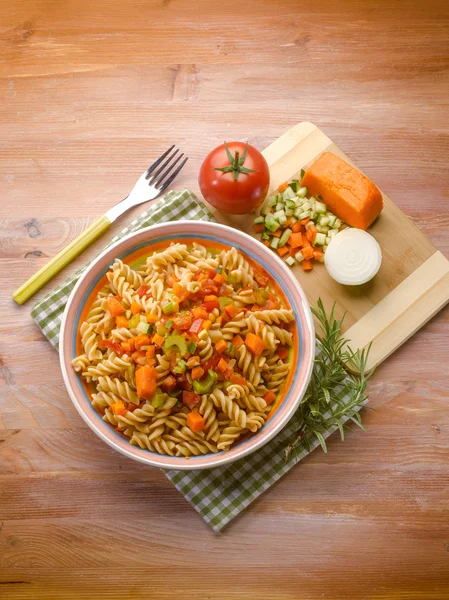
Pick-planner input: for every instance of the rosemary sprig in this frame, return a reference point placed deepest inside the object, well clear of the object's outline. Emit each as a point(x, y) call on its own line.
point(324, 404)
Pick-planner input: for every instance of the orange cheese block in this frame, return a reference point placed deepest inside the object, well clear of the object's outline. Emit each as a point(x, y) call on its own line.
point(345, 191)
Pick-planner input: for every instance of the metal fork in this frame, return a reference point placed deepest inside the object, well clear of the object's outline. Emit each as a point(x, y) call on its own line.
point(149, 185)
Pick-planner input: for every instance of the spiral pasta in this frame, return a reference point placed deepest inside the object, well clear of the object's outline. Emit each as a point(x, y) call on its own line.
point(182, 356)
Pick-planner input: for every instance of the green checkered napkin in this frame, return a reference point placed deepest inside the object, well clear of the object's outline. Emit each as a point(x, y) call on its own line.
point(218, 494)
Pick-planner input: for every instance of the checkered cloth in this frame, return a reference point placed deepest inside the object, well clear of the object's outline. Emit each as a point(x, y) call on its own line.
point(218, 494)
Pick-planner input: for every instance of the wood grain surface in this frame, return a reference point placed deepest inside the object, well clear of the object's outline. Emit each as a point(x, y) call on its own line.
point(90, 93)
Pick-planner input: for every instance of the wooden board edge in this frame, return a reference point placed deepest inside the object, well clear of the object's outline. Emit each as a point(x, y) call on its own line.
point(400, 314)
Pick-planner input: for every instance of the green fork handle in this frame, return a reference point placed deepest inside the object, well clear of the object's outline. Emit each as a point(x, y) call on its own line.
point(63, 258)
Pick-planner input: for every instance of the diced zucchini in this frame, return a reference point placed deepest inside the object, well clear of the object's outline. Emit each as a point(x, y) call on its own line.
point(284, 237)
point(288, 194)
point(302, 174)
point(272, 201)
point(143, 327)
point(299, 256)
point(322, 228)
point(128, 314)
point(306, 205)
point(313, 215)
point(320, 239)
point(332, 233)
point(290, 204)
point(290, 261)
point(331, 219)
point(320, 207)
point(283, 219)
point(271, 223)
point(289, 212)
point(258, 220)
point(302, 192)
point(303, 215)
point(265, 236)
point(337, 224)
point(279, 206)
point(294, 184)
point(274, 243)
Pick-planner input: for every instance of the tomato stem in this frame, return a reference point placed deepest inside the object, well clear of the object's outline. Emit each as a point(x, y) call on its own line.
point(235, 163)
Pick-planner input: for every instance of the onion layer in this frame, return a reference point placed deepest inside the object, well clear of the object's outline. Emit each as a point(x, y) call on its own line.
point(353, 257)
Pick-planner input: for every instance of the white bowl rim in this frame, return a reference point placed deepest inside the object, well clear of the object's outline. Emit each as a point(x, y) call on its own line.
point(222, 458)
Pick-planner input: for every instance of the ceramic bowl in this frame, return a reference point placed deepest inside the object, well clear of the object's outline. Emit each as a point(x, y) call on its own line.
point(207, 234)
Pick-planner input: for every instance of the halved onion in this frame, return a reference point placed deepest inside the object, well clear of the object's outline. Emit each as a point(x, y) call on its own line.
point(353, 257)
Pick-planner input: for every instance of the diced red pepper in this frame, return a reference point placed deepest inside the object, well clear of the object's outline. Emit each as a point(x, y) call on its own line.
point(261, 279)
point(211, 362)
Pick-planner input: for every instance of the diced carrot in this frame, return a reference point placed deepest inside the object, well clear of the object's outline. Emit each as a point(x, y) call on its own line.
point(122, 321)
point(317, 253)
point(146, 381)
point(237, 379)
point(282, 251)
point(282, 352)
point(231, 310)
point(237, 341)
point(307, 252)
point(150, 351)
point(254, 343)
point(295, 240)
point(287, 223)
point(277, 233)
point(296, 227)
point(197, 372)
point(158, 339)
point(307, 265)
point(219, 319)
point(269, 397)
point(141, 340)
point(210, 298)
point(135, 308)
point(222, 365)
point(283, 187)
point(183, 297)
point(115, 307)
point(219, 278)
point(118, 408)
point(195, 421)
point(127, 347)
point(345, 191)
point(305, 221)
point(259, 227)
point(152, 319)
point(207, 324)
point(293, 251)
point(177, 289)
point(199, 313)
point(221, 346)
point(266, 243)
point(311, 233)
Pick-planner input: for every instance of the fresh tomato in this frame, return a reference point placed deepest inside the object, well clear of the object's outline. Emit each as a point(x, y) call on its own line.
point(114, 346)
point(261, 279)
point(234, 178)
point(210, 305)
point(211, 362)
point(182, 323)
point(190, 399)
point(142, 291)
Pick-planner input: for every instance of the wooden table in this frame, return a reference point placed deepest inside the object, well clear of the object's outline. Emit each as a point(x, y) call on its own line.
point(91, 92)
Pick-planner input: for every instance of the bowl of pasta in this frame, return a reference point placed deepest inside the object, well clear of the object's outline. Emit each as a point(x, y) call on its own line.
point(187, 345)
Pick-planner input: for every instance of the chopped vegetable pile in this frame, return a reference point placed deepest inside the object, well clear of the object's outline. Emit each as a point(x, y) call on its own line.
point(297, 226)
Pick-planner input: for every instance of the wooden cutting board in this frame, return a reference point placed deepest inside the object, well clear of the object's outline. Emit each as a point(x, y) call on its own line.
point(412, 284)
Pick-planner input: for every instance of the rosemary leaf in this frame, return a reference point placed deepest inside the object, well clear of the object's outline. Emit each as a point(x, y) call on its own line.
point(334, 394)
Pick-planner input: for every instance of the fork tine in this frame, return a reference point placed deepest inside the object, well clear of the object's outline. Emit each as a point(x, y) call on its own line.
point(156, 174)
point(157, 162)
point(161, 178)
point(170, 179)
